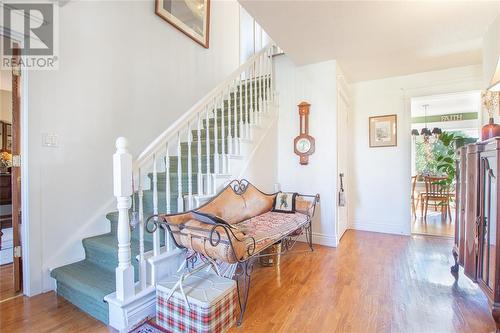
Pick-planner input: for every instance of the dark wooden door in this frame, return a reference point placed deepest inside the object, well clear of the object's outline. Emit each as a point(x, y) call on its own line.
point(16, 171)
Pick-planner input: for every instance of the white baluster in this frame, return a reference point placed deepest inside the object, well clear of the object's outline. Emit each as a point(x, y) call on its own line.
point(248, 101)
point(271, 84)
point(142, 260)
point(263, 83)
point(167, 180)
point(242, 129)
point(216, 138)
point(265, 58)
point(180, 203)
point(245, 101)
point(190, 169)
point(200, 175)
point(260, 71)
point(268, 79)
point(230, 148)
point(223, 136)
point(253, 93)
point(168, 193)
point(256, 91)
point(260, 74)
point(264, 80)
point(122, 188)
point(236, 138)
point(156, 234)
point(207, 143)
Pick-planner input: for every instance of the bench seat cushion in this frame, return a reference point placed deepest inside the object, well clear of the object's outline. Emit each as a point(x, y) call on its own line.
point(266, 228)
point(270, 227)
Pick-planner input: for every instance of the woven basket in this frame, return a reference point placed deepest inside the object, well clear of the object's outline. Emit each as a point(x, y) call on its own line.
point(271, 260)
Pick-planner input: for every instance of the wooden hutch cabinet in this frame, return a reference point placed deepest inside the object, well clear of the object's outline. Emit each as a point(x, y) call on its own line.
point(477, 229)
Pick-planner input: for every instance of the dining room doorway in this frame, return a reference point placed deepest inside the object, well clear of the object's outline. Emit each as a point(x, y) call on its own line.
point(439, 124)
point(11, 259)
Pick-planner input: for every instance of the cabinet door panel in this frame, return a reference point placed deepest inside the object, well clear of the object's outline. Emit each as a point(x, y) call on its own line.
point(471, 213)
point(487, 227)
point(491, 210)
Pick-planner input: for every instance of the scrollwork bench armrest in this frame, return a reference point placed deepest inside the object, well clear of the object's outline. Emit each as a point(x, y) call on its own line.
point(216, 235)
point(312, 201)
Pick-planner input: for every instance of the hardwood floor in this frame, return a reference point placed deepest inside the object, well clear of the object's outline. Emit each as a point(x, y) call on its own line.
point(371, 283)
point(46, 313)
point(7, 282)
point(434, 224)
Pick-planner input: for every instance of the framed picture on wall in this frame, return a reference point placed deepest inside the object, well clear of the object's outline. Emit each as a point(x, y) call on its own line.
point(383, 131)
point(192, 17)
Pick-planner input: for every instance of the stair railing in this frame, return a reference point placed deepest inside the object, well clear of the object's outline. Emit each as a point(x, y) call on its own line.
point(253, 82)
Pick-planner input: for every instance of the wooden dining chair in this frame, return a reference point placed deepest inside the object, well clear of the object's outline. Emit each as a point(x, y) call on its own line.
point(438, 193)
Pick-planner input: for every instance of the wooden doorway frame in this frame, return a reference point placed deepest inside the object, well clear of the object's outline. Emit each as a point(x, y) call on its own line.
point(27, 286)
point(16, 170)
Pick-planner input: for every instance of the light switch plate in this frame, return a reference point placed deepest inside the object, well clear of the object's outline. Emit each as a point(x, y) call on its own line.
point(50, 140)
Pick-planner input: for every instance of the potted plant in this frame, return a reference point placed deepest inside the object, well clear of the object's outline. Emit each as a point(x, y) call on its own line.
point(446, 157)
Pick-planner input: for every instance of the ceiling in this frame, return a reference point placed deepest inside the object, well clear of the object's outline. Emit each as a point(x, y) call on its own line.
point(374, 39)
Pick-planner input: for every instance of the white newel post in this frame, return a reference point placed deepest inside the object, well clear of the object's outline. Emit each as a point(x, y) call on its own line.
point(122, 181)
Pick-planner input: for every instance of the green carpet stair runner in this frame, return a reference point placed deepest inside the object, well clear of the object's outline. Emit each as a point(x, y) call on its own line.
point(86, 282)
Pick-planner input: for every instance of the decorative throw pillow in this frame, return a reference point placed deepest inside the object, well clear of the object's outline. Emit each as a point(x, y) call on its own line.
point(284, 202)
point(211, 219)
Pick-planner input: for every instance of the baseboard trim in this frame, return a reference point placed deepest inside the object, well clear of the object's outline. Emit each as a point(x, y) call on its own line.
point(380, 227)
point(321, 239)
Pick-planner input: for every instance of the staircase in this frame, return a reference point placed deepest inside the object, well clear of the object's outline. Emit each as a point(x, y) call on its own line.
point(180, 170)
point(85, 283)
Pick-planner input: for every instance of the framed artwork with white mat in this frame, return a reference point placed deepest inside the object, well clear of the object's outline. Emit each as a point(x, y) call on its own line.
point(383, 131)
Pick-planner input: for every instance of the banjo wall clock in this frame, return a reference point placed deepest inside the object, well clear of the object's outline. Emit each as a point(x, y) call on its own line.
point(303, 144)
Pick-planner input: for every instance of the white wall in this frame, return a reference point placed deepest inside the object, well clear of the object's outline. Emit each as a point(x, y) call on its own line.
point(123, 72)
point(380, 192)
point(252, 37)
point(247, 32)
point(491, 51)
point(316, 84)
point(262, 171)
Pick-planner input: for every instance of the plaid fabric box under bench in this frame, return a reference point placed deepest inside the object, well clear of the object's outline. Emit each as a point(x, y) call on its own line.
point(212, 304)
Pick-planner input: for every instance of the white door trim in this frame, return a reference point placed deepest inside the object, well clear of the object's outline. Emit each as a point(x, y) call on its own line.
point(342, 98)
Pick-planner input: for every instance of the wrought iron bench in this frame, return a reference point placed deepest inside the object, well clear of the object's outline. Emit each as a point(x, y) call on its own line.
point(250, 226)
